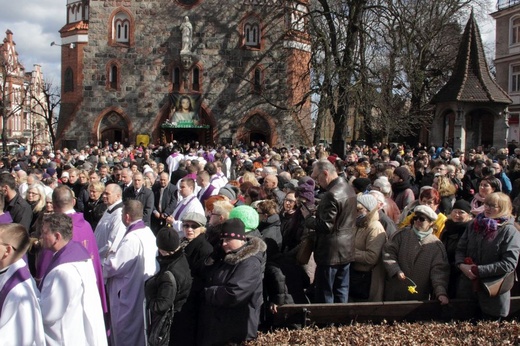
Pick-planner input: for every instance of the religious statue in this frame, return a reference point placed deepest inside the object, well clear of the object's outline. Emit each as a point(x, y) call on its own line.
point(187, 32)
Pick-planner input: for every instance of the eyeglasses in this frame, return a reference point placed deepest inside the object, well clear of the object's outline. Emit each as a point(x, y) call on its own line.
point(5, 244)
point(190, 225)
point(289, 200)
point(420, 218)
point(492, 206)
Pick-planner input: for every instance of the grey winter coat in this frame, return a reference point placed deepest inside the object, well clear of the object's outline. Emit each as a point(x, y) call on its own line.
point(493, 258)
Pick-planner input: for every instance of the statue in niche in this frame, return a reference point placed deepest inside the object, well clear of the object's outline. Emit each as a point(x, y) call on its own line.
point(187, 32)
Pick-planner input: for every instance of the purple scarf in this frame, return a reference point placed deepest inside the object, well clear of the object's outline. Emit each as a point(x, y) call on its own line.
point(138, 225)
point(71, 252)
point(19, 276)
point(488, 227)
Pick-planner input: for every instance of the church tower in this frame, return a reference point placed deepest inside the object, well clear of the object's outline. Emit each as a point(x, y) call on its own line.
point(213, 71)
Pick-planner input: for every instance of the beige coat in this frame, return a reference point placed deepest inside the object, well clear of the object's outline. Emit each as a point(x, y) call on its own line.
point(369, 242)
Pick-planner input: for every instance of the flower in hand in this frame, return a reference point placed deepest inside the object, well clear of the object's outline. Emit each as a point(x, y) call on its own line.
point(412, 289)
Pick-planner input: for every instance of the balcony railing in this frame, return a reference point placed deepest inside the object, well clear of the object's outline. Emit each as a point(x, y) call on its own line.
point(503, 4)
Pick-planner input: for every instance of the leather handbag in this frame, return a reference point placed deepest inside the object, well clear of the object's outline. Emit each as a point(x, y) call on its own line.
point(305, 249)
point(497, 285)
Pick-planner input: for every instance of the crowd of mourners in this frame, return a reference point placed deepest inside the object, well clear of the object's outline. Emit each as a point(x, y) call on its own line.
point(184, 244)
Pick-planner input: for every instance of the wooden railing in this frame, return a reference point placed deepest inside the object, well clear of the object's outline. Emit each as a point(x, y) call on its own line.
point(410, 311)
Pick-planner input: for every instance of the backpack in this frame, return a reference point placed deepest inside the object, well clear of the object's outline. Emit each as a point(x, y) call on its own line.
point(159, 334)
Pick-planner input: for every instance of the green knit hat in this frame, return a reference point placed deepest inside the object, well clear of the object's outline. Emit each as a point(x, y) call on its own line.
point(248, 215)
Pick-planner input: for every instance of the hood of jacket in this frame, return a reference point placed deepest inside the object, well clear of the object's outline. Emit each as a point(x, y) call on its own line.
point(252, 247)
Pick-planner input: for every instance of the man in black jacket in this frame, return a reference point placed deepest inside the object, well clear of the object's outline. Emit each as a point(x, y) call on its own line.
point(165, 201)
point(18, 207)
point(141, 193)
point(334, 224)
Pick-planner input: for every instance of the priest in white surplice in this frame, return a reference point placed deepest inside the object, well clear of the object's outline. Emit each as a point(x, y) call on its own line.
point(70, 302)
point(20, 314)
point(126, 270)
point(110, 229)
point(189, 203)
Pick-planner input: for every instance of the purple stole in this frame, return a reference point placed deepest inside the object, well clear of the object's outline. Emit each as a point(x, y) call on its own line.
point(174, 155)
point(181, 208)
point(19, 276)
point(83, 234)
point(71, 252)
point(138, 225)
point(206, 194)
point(5, 218)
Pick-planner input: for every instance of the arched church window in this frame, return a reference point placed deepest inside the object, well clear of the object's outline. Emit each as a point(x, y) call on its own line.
point(68, 84)
point(257, 81)
point(112, 78)
point(121, 28)
point(251, 32)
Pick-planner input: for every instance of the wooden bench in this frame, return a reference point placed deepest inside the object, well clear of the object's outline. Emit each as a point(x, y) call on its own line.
point(410, 311)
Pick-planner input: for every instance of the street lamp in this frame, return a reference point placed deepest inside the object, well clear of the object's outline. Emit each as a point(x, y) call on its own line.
point(71, 46)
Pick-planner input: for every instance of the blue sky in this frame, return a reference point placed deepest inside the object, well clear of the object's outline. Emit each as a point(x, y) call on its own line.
point(36, 23)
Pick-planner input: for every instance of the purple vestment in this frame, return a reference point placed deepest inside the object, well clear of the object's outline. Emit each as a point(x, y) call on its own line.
point(19, 276)
point(83, 234)
point(6, 218)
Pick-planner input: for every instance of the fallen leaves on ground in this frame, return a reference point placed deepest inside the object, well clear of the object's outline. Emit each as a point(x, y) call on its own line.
point(426, 333)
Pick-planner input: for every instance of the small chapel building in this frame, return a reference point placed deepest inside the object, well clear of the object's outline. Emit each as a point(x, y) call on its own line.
point(471, 109)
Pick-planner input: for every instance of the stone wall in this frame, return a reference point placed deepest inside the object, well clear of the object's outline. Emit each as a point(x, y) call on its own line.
point(227, 69)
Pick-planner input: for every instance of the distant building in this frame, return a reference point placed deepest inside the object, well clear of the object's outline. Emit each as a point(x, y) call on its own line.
point(241, 68)
point(507, 59)
point(18, 91)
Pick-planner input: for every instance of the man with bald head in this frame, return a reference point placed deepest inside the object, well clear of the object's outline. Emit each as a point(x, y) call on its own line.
point(110, 228)
point(142, 194)
point(20, 314)
point(270, 185)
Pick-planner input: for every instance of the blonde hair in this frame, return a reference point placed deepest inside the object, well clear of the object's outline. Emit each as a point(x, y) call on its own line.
point(250, 176)
point(503, 201)
point(445, 186)
point(41, 192)
point(222, 208)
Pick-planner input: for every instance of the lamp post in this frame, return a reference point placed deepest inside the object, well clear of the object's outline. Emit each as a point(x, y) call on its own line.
point(71, 45)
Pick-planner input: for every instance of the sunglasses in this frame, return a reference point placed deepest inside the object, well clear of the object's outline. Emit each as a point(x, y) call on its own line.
point(420, 218)
point(190, 225)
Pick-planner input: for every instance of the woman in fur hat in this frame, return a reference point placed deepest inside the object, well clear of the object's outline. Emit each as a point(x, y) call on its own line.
point(233, 288)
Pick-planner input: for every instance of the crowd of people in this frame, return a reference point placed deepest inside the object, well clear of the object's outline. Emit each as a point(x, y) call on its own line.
point(193, 245)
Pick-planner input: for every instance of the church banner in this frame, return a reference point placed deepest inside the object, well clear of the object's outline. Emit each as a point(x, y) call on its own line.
point(185, 110)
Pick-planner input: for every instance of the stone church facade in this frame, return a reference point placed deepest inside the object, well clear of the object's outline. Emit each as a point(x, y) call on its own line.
point(127, 65)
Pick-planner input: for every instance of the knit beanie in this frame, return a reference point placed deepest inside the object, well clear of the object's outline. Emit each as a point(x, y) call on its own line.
point(167, 239)
point(403, 173)
point(247, 215)
point(361, 184)
point(229, 191)
point(305, 189)
point(367, 201)
point(234, 229)
point(462, 205)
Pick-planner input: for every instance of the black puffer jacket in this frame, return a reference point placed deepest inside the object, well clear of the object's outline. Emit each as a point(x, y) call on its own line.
point(233, 296)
